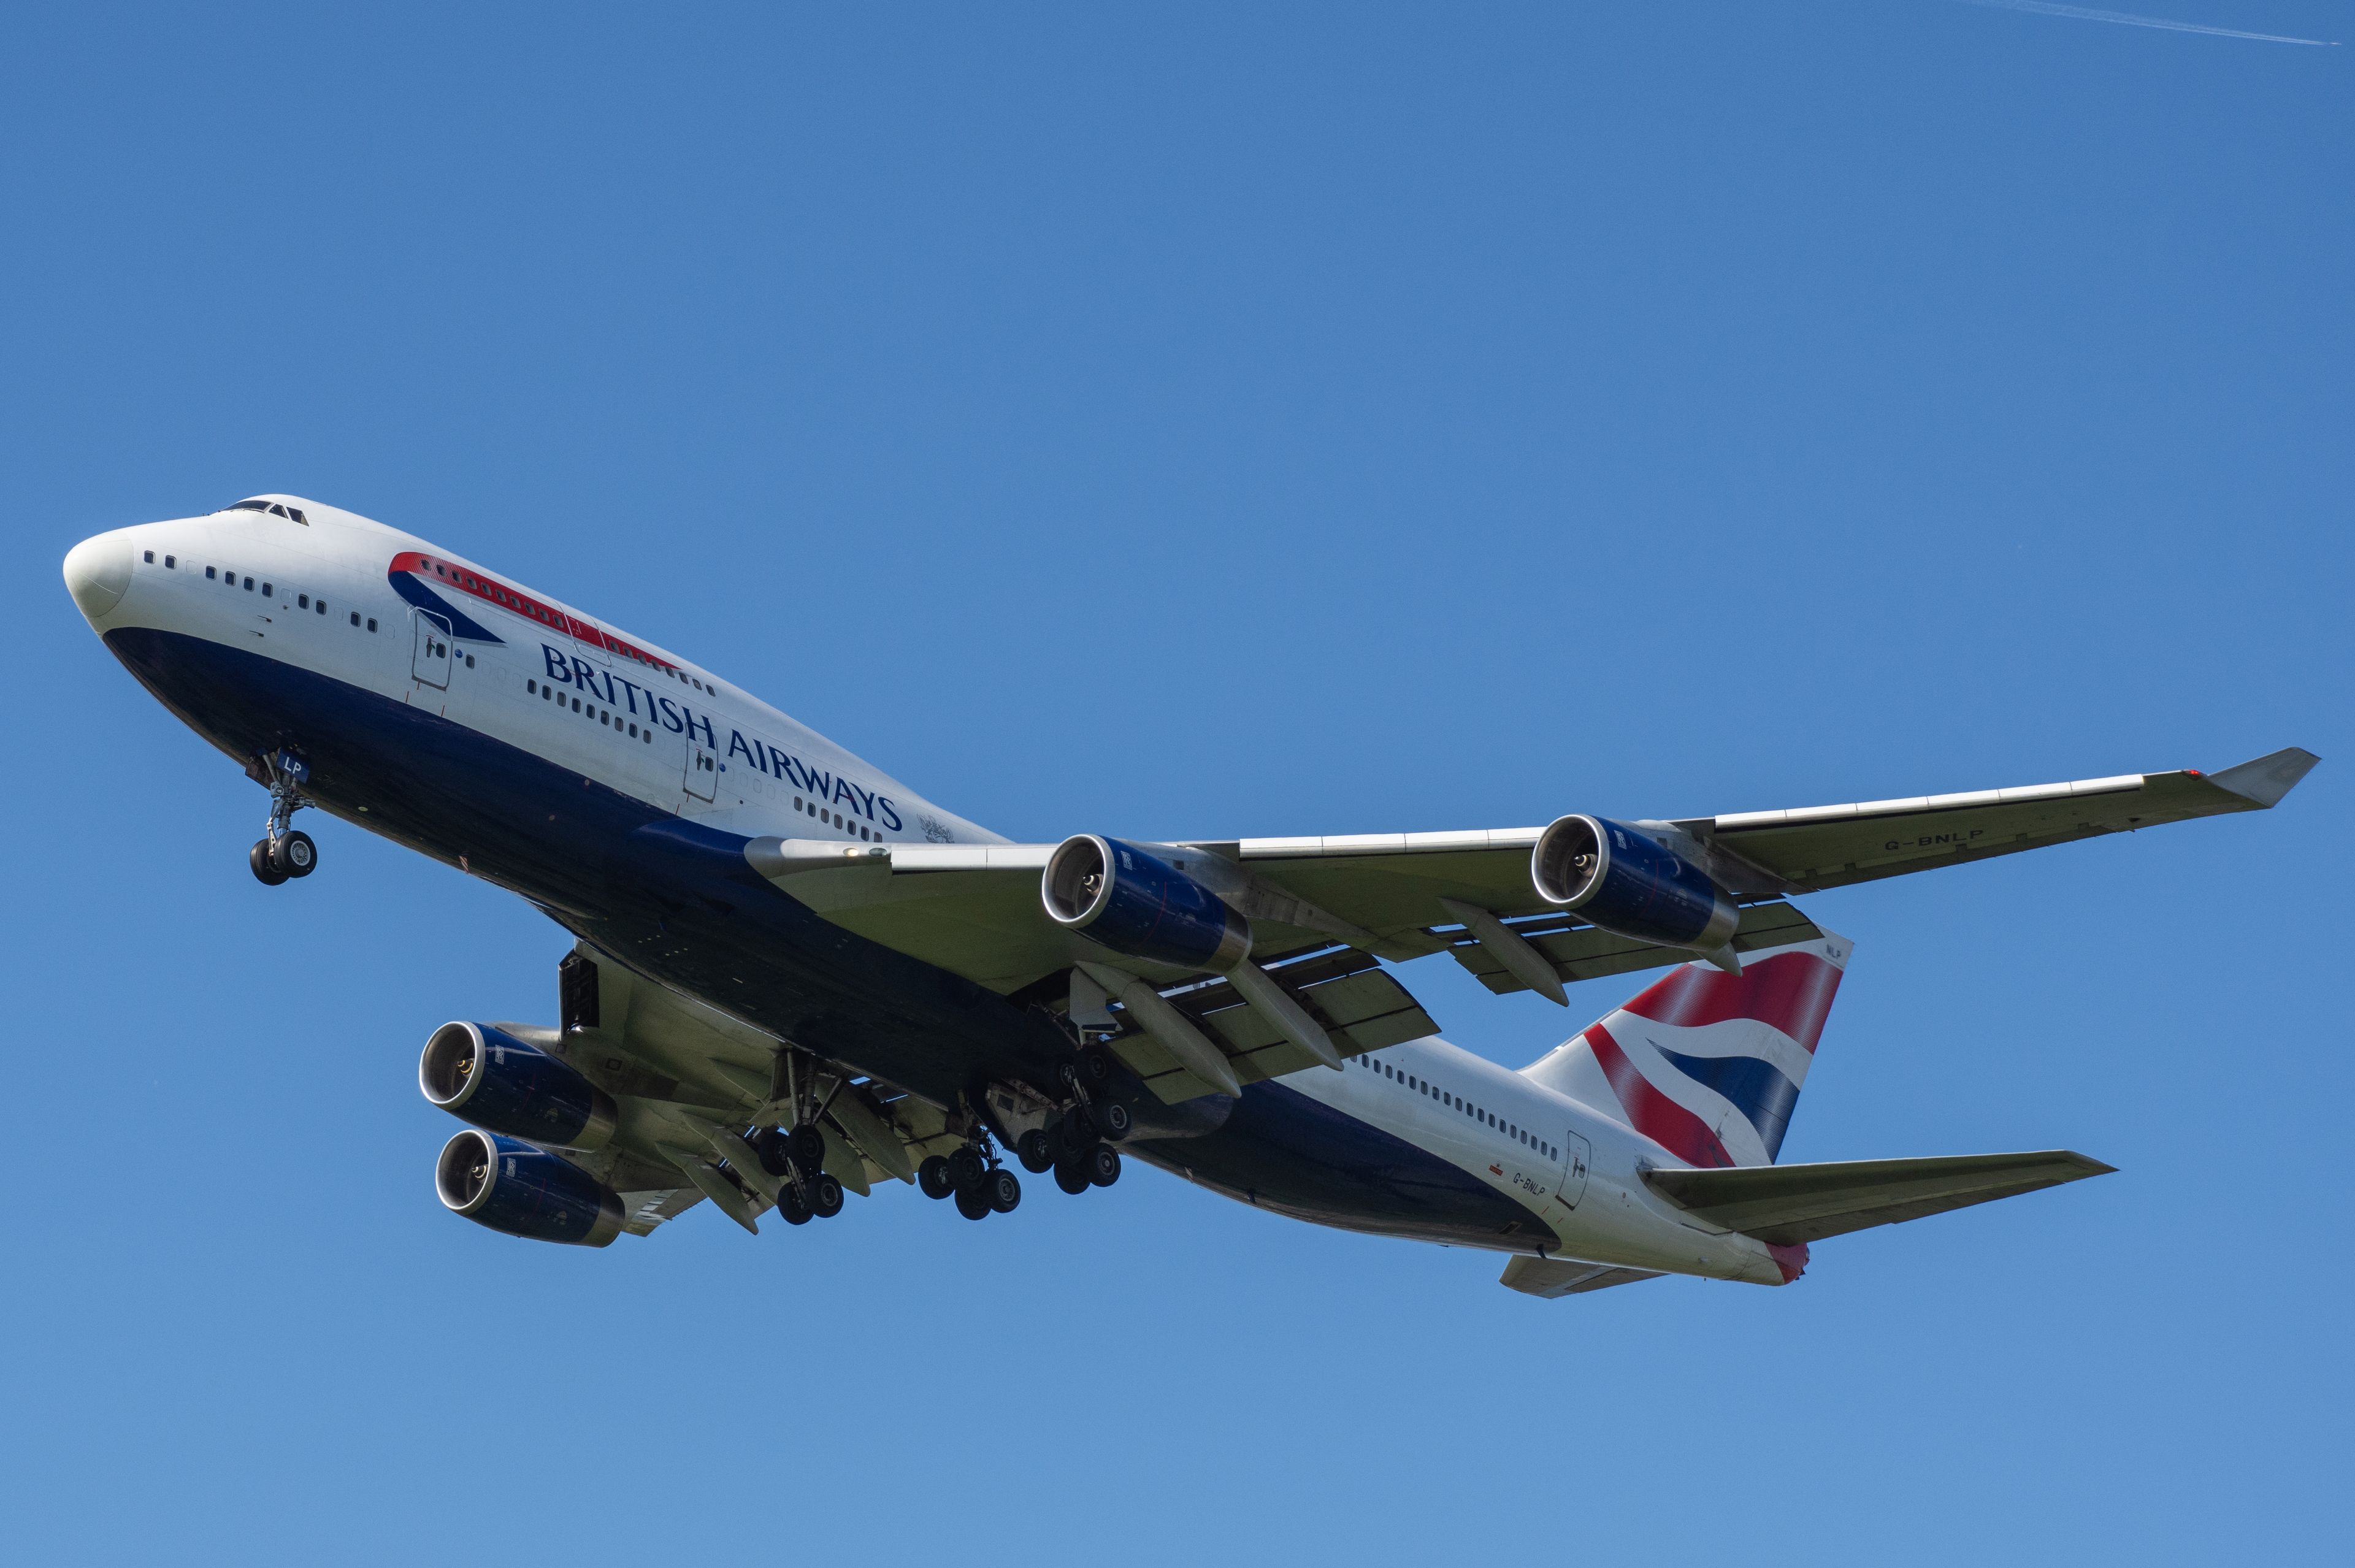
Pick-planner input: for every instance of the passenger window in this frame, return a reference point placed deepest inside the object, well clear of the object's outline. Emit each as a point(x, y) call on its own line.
point(355, 617)
point(265, 590)
point(470, 661)
point(301, 602)
point(249, 585)
point(547, 692)
point(371, 623)
point(151, 558)
point(171, 563)
point(323, 606)
point(209, 572)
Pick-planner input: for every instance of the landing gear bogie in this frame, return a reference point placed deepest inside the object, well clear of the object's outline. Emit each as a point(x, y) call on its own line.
point(284, 851)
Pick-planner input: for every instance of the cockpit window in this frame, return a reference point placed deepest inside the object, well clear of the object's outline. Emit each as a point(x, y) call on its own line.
point(271, 508)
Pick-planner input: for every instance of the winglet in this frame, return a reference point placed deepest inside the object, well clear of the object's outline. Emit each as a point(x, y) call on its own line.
point(2269, 777)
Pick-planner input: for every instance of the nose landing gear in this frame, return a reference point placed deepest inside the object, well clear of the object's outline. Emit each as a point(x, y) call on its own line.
point(284, 851)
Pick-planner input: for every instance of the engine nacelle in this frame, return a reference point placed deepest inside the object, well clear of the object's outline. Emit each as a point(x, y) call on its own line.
point(490, 1078)
point(1627, 883)
point(509, 1185)
point(1138, 904)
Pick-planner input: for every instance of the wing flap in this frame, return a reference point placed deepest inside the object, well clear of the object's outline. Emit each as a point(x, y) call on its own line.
point(1361, 1007)
point(1789, 1204)
point(1585, 953)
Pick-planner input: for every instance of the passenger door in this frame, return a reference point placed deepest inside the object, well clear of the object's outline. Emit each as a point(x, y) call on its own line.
point(702, 769)
point(430, 663)
point(1571, 1186)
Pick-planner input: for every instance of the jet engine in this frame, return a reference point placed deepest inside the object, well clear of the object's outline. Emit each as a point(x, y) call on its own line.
point(488, 1077)
point(1140, 905)
point(508, 1185)
point(1627, 883)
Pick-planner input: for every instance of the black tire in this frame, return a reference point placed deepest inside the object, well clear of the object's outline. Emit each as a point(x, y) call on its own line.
point(1095, 1067)
point(1112, 1119)
point(771, 1147)
point(825, 1197)
point(972, 1203)
point(295, 854)
point(267, 875)
point(807, 1146)
point(932, 1177)
point(966, 1167)
point(794, 1207)
point(1036, 1151)
point(1072, 1178)
point(1102, 1165)
point(1003, 1188)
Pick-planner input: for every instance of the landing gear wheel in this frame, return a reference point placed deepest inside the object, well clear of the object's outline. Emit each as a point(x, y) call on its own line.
point(972, 1203)
point(807, 1146)
point(267, 875)
point(932, 1177)
point(1002, 1188)
point(1070, 1178)
point(794, 1207)
point(966, 1167)
point(1112, 1119)
point(293, 854)
point(771, 1147)
point(825, 1197)
point(1095, 1067)
point(1036, 1151)
point(1102, 1164)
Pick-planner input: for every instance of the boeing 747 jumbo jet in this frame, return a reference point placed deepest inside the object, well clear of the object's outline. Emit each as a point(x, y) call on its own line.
point(793, 976)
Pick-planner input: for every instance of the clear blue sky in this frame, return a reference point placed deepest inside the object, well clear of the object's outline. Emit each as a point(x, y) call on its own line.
point(1235, 421)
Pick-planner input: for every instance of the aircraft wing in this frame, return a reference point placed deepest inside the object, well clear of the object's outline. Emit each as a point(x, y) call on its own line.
point(976, 909)
point(688, 1079)
point(1785, 1205)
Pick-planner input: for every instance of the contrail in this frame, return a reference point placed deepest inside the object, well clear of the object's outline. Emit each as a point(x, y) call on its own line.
point(2128, 20)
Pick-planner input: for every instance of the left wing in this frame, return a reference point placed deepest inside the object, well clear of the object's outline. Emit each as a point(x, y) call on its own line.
point(978, 909)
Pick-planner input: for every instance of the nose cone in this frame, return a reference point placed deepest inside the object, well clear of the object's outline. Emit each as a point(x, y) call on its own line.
point(98, 573)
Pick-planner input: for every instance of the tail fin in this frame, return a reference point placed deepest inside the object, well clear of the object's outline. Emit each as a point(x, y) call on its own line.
point(1706, 1065)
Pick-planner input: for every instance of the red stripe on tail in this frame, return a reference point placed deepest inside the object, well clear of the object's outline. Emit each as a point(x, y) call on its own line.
point(1651, 1112)
point(1791, 992)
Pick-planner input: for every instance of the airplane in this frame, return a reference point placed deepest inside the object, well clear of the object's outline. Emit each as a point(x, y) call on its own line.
point(793, 977)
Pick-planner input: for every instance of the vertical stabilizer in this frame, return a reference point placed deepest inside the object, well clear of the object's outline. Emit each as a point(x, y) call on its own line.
point(1706, 1065)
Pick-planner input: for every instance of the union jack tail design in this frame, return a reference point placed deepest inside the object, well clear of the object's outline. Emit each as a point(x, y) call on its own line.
point(1707, 1064)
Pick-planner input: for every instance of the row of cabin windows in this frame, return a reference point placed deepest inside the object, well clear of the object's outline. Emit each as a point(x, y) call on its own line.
point(269, 590)
point(604, 716)
point(523, 606)
point(827, 815)
point(1457, 1102)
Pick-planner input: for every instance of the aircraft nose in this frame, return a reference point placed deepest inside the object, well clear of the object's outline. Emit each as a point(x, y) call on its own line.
point(98, 573)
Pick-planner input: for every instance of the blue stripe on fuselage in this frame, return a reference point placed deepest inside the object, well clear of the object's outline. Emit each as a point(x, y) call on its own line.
point(674, 900)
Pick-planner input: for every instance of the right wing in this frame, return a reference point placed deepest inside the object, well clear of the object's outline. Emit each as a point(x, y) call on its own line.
point(1784, 1205)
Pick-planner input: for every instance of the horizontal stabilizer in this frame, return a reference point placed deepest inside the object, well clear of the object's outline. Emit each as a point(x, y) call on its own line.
point(1566, 1276)
point(1784, 1205)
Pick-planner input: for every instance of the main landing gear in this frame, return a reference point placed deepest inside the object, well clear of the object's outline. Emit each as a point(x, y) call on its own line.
point(1077, 1145)
point(799, 1156)
point(285, 851)
point(973, 1177)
